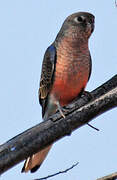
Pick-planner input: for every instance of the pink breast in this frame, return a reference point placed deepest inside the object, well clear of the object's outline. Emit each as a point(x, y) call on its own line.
point(71, 74)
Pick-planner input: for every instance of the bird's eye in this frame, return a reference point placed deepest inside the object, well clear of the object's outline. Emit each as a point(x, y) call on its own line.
point(79, 19)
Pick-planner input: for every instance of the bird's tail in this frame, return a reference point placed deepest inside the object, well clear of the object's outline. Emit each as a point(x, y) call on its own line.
point(34, 162)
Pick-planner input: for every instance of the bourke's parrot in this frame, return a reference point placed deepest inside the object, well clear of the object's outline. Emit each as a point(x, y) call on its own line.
point(65, 72)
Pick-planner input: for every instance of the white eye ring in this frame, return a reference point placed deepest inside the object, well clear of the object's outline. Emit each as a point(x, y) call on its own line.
point(79, 19)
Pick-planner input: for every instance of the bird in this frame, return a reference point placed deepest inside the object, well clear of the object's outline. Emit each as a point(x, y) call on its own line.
point(66, 69)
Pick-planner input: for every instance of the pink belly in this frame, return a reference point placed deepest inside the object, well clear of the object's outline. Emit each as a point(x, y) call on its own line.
point(66, 91)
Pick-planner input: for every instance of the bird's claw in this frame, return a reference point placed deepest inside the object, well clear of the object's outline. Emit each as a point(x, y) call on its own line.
point(88, 94)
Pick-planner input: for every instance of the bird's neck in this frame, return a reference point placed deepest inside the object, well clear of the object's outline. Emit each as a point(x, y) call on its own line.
point(73, 37)
point(74, 44)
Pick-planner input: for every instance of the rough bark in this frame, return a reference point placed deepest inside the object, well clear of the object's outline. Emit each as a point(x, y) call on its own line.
point(112, 176)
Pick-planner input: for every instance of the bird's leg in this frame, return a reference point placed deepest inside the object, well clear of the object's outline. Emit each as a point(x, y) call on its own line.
point(60, 109)
point(67, 109)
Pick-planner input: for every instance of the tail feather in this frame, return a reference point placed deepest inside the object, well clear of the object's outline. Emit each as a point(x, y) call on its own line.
point(34, 162)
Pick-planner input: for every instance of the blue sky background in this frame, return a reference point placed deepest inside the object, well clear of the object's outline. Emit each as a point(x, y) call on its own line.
point(27, 28)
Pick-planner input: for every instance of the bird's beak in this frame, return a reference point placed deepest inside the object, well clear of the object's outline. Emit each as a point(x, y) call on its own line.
point(91, 26)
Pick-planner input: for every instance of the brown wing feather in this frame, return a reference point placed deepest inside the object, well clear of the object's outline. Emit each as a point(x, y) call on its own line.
point(46, 80)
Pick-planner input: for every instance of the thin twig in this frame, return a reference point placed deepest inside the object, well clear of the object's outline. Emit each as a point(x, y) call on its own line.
point(60, 172)
point(92, 127)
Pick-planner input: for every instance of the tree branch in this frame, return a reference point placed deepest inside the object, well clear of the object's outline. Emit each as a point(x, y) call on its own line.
point(80, 112)
point(112, 176)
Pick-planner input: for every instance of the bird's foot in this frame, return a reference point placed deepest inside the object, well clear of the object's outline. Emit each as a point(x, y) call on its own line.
point(62, 110)
point(88, 94)
point(66, 109)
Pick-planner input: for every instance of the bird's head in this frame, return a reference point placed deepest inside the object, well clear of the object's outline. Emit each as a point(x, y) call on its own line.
point(78, 25)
